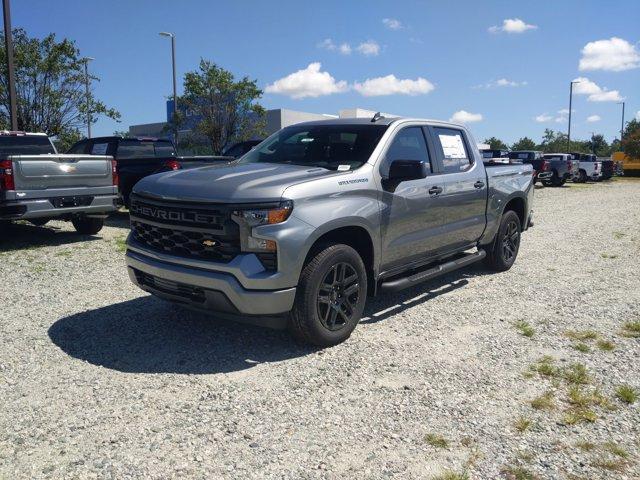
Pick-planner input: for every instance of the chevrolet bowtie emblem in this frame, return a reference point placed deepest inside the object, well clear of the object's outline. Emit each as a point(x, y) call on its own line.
point(209, 243)
point(68, 168)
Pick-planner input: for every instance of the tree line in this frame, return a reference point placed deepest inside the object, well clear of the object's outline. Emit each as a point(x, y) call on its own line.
point(51, 98)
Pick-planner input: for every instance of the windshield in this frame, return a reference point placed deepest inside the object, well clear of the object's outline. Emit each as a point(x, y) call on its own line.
point(27, 145)
point(327, 146)
point(131, 148)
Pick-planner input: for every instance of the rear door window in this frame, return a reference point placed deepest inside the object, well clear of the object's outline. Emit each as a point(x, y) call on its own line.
point(451, 146)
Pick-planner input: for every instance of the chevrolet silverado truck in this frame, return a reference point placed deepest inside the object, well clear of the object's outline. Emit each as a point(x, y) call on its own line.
point(541, 167)
point(38, 184)
point(589, 168)
point(322, 214)
point(138, 157)
point(563, 167)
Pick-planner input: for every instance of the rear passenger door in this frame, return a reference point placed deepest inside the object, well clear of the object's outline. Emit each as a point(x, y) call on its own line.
point(463, 200)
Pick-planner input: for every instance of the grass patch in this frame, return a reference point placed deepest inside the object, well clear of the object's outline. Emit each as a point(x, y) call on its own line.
point(436, 440)
point(545, 367)
point(579, 415)
point(619, 235)
point(524, 328)
point(586, 446)
point(613, 465)
point(615, 449)
point(517, 473)
point(606, 345)
point(582, 347)
point(544, 402)
point(631, 329)
point(576, 374)
point(64, 253)
point(451, 475)
point(608, 256)
point(522, 424)
point(121, 244)
point(581, 336)
point(627, 394)
point(582, 399)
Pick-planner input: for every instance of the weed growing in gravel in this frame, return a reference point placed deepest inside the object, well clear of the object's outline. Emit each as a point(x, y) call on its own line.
point(517, 473)
point(64, 253)
point(579, 415)
point(615, 449)
point(545, 367)
point(451, 475)
point(631, 329)
point(544, 402)
point(627, 394)
point(524, 328)
point(577, 374)
point(436, 440)
point(606, 345)
point(580, 398)
point(581, 335)
point(582, 347)
point(121, 244)
point(619, 235)
point(522, 424)
point(608, 255)
point(586, 446)
point(614, 465)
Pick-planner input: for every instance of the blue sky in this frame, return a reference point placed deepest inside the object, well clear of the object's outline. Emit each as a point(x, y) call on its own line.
point(444, 56)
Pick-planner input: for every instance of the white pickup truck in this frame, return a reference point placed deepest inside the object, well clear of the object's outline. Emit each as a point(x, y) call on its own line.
point(38, 184)
point(590, 168)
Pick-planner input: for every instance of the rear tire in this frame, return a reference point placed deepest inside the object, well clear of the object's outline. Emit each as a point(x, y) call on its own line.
point(506, 245)
point(87, 226)
point(582, 176)
point(330, 297)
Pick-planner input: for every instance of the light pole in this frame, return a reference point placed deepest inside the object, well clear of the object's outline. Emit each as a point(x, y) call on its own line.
point(175, 89)
point(11, 80)
point(622, 124)
point(86, 61)
point(570, 101)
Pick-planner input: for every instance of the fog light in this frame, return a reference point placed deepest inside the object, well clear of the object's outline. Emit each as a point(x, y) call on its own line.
point(261, 244)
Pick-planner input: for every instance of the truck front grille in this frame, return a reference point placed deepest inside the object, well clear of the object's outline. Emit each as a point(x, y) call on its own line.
point(186, 243)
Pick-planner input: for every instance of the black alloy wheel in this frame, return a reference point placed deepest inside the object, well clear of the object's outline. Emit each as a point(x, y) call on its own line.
point(510, 241)
point(338, 296)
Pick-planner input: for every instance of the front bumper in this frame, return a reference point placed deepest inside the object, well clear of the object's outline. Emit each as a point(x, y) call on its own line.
point(100, 205)
point(205, 290)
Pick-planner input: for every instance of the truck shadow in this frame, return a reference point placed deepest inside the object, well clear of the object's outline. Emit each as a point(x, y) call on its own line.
point(147, 335)
point(119, 219)
point(24, 236)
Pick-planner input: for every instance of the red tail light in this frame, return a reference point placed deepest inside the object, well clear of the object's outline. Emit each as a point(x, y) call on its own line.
point(114, 173)
point(172, 165)
point(545, 166)
point(569, 164)
point(6, 175)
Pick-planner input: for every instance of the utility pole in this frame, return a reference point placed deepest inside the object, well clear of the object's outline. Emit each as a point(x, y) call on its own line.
point(622, 124)
point(11, 79)
point(175, 88)
point(570, 101)
point(86, 61)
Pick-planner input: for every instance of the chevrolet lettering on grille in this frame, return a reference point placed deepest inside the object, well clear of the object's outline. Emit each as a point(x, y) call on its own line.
point(172, 215)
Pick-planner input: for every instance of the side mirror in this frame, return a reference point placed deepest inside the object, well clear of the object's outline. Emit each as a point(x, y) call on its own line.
point(402, 170)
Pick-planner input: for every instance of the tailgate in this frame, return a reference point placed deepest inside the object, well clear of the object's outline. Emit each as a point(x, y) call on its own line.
point(40, 172)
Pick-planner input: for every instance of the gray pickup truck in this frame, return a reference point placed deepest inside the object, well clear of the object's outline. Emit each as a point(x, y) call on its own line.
point(320, 215)
point(38, 184)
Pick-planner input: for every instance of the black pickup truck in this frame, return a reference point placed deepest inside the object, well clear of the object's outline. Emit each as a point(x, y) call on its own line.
point(139, 157)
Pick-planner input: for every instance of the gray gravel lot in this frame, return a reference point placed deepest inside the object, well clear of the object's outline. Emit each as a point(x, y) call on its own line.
point(100, 380)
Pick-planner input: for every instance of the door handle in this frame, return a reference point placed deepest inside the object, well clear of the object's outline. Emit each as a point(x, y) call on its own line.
point(435, 190)
point(479, 184)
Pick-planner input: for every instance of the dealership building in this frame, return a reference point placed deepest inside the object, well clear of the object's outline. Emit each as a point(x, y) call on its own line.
point(276, 119)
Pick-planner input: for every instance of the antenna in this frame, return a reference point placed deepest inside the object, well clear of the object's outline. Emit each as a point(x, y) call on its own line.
point(376, 117)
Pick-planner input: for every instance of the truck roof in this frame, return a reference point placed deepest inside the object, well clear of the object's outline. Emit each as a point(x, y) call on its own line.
point(119, 137)
point(17, 133)
point(379, 121)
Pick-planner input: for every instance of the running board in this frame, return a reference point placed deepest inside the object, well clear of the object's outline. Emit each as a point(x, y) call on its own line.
point(415, 279)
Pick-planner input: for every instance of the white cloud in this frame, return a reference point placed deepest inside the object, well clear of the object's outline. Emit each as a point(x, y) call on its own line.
point(390, 85)
point(593, 118)
point(613, 55)
point(370, 48)
point(512, 25)
point(462, 116)
point(595, 92)
point(563, 115)
point(392, 23)
point(501, 82)
point(543, 118)
point(345, 49)
point(638, 115)
point(309, 82)
point(329, 44)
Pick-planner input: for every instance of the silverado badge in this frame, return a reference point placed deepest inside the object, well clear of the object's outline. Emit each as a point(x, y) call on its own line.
point(209, 243)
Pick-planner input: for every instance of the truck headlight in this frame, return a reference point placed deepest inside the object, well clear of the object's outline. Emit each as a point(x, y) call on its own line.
point(255, 216)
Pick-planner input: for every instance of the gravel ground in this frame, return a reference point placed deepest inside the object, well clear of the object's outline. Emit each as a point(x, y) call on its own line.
point(100, 380)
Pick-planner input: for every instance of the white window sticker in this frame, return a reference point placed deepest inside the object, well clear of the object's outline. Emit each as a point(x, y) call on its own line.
point(99, 149)
point(344, 168)
point(452, 146)
point(523, 156)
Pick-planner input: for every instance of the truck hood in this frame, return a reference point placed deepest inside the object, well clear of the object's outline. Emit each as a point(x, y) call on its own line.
point(227, 183)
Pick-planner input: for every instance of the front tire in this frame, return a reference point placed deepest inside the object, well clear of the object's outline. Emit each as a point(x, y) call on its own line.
point(506, 245)
point(330, 297)
point(87, 226)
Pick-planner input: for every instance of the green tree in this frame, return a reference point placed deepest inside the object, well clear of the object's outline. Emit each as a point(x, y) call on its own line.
point(66, 139)
point(495, 143)
point(50, 87)
point(599, 146)
point(525, 143)
point(631, 141)
point(228, 109)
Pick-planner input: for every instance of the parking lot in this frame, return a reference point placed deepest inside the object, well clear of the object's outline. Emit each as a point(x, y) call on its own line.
point(479, 373)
